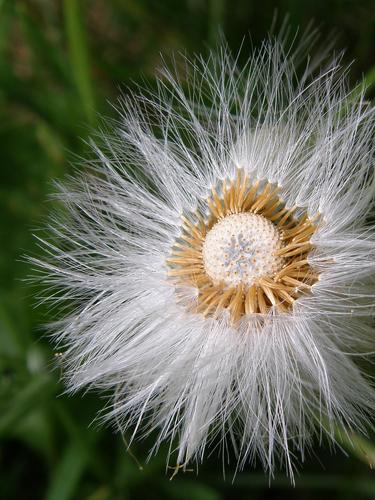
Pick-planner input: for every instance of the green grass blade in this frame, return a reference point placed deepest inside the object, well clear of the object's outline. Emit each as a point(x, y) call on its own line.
point(68, 472)
point(79, 57)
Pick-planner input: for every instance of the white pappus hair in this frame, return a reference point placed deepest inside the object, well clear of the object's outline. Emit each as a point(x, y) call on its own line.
point(266, 385)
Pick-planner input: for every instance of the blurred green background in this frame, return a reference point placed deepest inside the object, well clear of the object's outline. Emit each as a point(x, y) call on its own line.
point(62, 63)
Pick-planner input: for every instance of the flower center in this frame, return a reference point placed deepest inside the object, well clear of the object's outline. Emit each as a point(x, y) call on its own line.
point(241, 248)
point(248, 253)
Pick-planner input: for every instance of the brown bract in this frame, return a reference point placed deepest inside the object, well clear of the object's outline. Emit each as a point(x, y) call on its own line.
point(279, 290)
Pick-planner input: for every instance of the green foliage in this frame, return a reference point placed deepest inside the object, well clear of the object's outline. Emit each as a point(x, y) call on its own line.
point(60, 64)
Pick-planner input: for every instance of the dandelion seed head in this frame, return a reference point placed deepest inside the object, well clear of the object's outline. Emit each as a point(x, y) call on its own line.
point(215, 265)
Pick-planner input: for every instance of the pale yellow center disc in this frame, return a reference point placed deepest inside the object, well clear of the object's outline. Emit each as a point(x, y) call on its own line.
point(241, 248)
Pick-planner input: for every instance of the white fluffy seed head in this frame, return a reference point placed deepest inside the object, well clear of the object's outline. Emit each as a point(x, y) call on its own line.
point(267, 386)
point(241, 248)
